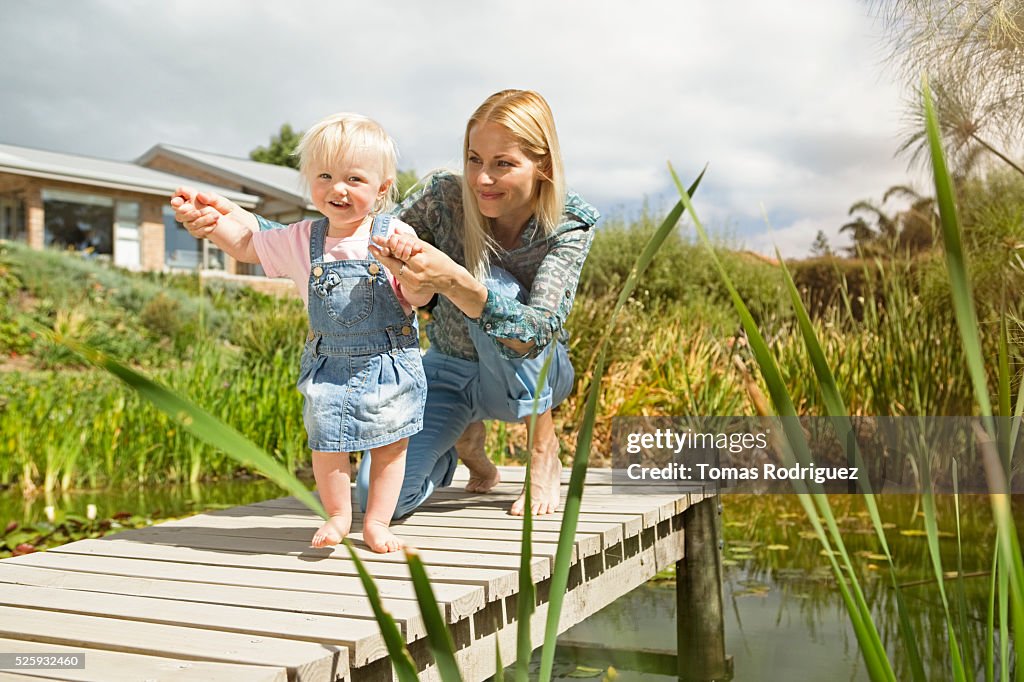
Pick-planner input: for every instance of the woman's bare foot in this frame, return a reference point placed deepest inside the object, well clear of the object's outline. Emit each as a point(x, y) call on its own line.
point(483, 475)
point(379, 537)
point(545, 479)
point(332, 532)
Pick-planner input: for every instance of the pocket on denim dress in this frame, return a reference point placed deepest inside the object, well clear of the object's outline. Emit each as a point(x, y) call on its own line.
point(351, 301)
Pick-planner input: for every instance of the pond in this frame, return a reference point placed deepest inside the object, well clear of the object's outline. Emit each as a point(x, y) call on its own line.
point(784, 617)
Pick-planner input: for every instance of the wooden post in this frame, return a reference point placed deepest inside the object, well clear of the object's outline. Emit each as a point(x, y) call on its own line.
point(700, 628)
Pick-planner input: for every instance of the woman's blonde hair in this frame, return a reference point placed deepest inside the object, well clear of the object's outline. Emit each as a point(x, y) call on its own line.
point(336, 137)
point(527, 116)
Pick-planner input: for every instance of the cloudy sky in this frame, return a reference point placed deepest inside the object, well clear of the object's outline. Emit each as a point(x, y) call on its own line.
point(789, 102)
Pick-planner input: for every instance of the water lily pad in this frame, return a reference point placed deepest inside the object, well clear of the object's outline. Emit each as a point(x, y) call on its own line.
point(583, 672)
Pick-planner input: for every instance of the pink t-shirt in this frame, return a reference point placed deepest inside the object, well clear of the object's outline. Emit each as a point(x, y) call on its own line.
point(285, 253)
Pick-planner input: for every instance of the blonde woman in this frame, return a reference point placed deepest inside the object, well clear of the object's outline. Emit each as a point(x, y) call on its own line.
point(502, 247)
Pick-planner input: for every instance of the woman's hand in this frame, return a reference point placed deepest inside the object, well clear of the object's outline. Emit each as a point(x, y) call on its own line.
point(431, 271)
point(416, 283)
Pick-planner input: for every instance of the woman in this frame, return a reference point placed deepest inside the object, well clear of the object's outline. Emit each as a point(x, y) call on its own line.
point(504, 246)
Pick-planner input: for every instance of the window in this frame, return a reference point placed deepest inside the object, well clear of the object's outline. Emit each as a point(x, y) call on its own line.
point(183, 251)
point(78, 220)
point(12, 219)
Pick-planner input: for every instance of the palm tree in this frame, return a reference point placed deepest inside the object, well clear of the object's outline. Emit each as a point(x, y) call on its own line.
point(973, 54)
point(918, 222)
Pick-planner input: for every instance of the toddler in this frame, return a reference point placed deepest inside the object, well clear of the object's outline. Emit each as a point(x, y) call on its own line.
point(360, 375)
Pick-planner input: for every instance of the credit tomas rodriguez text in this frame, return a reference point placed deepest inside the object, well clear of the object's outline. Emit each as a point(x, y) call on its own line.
point(712, 472)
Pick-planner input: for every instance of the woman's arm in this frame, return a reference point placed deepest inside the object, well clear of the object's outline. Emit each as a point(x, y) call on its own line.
point(526, 329)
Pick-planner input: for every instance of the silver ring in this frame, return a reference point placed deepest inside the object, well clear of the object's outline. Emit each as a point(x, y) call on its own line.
point(401, 270)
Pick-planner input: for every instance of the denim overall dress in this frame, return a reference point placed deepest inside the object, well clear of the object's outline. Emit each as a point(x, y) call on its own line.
point(361, 374)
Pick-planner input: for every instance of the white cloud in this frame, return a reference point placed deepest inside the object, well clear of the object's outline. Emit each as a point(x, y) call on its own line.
point(788, 101)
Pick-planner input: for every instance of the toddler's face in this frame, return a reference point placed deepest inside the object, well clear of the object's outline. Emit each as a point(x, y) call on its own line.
point(346, 189)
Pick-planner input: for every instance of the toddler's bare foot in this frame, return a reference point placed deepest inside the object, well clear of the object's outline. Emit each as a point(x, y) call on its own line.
point(483, 475)
point(332, 532)
point(546, 480)
point(379, 537)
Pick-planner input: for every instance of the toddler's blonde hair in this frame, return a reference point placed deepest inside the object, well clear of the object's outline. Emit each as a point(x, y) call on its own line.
point(338, 136)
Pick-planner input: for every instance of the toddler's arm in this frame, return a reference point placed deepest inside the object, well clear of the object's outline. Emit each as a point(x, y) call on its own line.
point(213, 217)
point(188, 204)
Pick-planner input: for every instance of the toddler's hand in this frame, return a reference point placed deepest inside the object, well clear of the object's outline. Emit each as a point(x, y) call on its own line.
point(198, 216)
point(404, 246)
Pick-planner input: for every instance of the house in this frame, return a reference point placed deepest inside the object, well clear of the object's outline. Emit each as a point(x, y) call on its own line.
point(119, 210)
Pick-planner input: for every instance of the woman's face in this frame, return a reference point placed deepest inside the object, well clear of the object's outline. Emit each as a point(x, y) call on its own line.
point(502, 177)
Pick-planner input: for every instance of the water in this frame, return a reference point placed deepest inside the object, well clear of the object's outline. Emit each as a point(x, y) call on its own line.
point(155, 502)
point(784, 617)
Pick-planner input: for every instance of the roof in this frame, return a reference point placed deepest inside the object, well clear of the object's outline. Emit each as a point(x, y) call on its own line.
point(280, 182)
point(87, 170)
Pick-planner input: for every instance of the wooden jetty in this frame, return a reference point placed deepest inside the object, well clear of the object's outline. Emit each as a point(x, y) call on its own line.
point(237, 594)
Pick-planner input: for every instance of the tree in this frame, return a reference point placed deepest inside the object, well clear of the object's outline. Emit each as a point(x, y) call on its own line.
point(407, 181)
point(821, 247)
point(281, 150)
point(973, 54)
point(906, 231)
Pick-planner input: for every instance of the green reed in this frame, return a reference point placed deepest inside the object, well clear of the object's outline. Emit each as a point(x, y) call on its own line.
point(1007, 586)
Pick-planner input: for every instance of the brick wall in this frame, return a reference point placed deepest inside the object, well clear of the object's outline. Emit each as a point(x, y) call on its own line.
point(266, 285)
point(151, 234)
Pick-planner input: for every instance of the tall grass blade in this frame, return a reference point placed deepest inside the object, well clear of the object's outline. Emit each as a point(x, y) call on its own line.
point(574, 497)
point(836, 408)
point(438, 636)
point(956, 263)
point(875, 658)
point(962, 613)
point(526, 597)
point(967, 321)
point(1004, 619)
point(401, 661)
point(932, 532)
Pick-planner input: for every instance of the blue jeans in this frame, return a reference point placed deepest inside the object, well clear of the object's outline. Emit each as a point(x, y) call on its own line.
point(460, 392)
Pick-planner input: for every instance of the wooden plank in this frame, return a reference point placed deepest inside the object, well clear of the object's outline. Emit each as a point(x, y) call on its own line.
point(652, 510)
point(447, 541)
point(500, 499)
point(304, 661)
point(610, 529)
point(632, 523)
point(477, 662)
point(279, 527)
point(308, 589)
point(364, 642)
point(118, 666)
point(540, 568)
point(463, 599)
point(297, 604)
